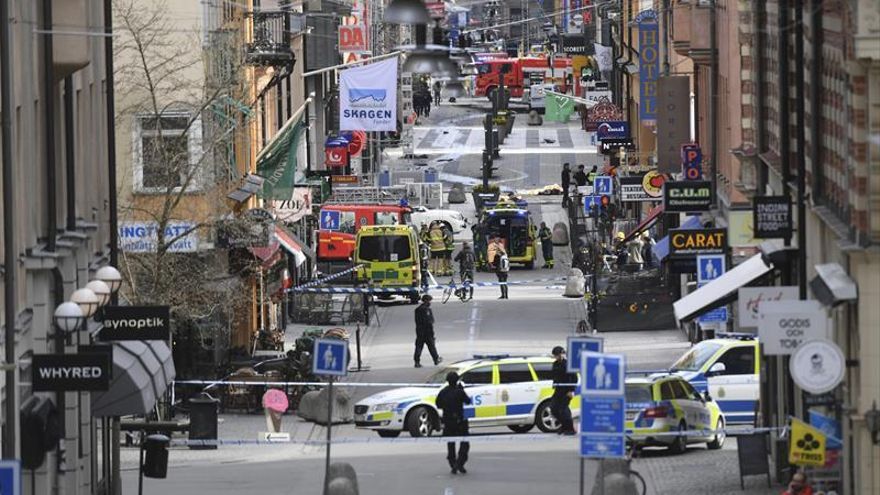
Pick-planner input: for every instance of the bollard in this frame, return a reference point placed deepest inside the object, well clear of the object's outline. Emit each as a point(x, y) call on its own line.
point(357, 339)
point(343, 470)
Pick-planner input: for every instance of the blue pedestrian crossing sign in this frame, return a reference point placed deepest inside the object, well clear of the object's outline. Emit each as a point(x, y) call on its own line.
point(577, 345)
point(330, 357)
point(10, 477)
point(603, 185)
point(590, 202)
point(602, 374)
point(330, 220)
point(709, 267)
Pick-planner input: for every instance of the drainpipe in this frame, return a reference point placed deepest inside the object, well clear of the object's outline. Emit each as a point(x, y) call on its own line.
point(801, 149)
point(111, 137)
point(9, 258)
point(49, 127)
point(713, 100)
point(69, 154)
point(817, 32)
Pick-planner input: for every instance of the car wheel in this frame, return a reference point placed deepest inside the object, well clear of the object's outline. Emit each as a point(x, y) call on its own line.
point(718, 442)
point(679, 444)
point(520, 428)
point(388, 433)
point(420, 422)
point(545, 420)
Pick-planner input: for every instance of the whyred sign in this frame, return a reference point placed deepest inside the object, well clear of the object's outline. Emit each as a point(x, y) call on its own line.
point(352, 38)
point(336, 157)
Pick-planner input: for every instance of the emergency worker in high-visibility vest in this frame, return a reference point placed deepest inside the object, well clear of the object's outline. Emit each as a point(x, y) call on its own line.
point(438, 247)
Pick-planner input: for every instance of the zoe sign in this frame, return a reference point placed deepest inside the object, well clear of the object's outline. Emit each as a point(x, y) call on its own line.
point(784, 325)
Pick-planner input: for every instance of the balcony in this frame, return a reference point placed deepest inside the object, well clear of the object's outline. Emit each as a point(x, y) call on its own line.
point(271, 40)
point(700, 49)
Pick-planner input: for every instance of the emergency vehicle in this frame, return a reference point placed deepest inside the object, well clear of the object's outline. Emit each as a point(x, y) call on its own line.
point(505, 391)
point(664, 403)
point(389, 258)
point(339, 223)
point(513, 223)
point(521, 73)
point(729, 369)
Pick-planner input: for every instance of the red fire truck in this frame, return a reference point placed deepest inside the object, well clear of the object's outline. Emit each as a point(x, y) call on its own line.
point(521, 73)
point(339, 224)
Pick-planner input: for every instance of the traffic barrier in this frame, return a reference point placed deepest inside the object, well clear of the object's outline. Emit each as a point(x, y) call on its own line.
point(326, 279)
point(410, 290)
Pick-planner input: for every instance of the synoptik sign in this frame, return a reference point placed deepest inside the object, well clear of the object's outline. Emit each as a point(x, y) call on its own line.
point(136, 323)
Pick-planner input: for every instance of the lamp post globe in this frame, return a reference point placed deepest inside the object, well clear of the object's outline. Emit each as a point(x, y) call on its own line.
point(110, 276)
point(87, 300)
point(68, 316)
point(407, 12)
point(101, 289)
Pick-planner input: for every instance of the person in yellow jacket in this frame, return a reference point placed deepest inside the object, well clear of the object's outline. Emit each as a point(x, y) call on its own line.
point(424, 234)
point(495, 248)
point(449, 243)
point(438, 247)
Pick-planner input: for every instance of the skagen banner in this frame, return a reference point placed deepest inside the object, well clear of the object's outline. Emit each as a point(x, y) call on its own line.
point(136, 323)
point(71, 372)
point(368, 97)
point(686, 196)
point(784, 325)
point(772, 217)
point(673, 121)
point(649, 64)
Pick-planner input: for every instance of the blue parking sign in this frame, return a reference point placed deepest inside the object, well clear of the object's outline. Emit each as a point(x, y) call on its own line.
point(603, 185)
point(330, 220)
point(602, 374)
point(10, 477)
point(709, 267)
point(330, 357)
point(576, 345)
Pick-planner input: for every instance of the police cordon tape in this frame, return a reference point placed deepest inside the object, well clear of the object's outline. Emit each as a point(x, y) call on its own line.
point(313, 384)
point(326, 279)
point(411, 290)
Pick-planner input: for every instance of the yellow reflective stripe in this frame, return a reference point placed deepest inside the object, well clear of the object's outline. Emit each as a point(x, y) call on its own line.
point(381, 416)
point(490, 411)
point(546, 392)
point(430, 400)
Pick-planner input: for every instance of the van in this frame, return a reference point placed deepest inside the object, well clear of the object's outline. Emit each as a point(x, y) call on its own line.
point(389, 257)
point(513, 224)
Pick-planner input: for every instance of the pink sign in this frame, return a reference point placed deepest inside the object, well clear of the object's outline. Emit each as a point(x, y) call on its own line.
point(275, 400)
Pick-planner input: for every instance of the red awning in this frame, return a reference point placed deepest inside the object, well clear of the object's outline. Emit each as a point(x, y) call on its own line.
point(645, 224)
point(268, 255)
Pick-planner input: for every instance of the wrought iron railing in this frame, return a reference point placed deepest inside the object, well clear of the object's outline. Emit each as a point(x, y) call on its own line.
point(271, 39)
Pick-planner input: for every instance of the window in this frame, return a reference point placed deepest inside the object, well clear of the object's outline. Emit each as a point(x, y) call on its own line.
point(678, 391)
point(478, 376)
point(691, 391)
point(384, 248)
point(386, 218)
point(666, 392)
point(514, 373)
point(167, 150)
point(695, 358)
point(638, 393)
point(738, 361)
point(346, 222)
point(543, 370)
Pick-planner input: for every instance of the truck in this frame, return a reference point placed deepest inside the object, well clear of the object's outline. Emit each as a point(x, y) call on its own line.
point(521, 73)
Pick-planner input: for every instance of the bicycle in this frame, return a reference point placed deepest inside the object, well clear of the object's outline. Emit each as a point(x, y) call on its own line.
point(632, 451)
point(461, 292)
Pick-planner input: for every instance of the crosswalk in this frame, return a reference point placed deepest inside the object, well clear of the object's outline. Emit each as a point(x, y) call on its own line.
point(522, 140)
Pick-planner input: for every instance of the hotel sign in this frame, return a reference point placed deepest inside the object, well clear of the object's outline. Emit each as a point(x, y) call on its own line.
point(649, 64)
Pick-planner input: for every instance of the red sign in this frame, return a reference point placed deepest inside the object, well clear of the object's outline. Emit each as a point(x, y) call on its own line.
point(356, 145)
point(336, 156)
point(352, 38)
point(437, 10)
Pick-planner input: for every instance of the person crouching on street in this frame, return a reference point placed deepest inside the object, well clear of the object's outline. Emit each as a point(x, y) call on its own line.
point(451, 401)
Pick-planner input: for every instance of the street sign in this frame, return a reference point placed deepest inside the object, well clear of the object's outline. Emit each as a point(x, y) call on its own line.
point(330, 357)
point(71, 372)
point(590, 202)
point(602, 414)
point(10, 477)
point(717, 315)
point(608, 446)
point(603, 185)
point(330, 220)
point(136, 323)
point(602, 374)
point(577, 345)
point(709, 267)
point(818, 366)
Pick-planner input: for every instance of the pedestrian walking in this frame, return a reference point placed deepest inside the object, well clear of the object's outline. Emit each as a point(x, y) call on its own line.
point(580, 177)
point(438, 248)
point(451, 401)
point(562, 392)
point(502, 266)
point(546, 237)
point(635, 252)
point(466, 261)
point(566, 184)
point(425, 332)
point(437, 93)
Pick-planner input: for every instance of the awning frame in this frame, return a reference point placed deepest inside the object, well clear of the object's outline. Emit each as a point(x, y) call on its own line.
point(722, 290)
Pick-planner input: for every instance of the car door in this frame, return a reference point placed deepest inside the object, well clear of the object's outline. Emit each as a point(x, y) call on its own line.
point(518, 392)
point(480, 386)
point(695, 412)
point(736, 387)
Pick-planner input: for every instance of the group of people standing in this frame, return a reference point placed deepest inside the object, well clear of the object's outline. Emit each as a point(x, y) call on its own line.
point(581, 178)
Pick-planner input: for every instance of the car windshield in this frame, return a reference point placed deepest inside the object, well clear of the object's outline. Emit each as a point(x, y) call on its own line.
point(695, 358)
point(384, 248)
point(638, 392)
point(440, 376)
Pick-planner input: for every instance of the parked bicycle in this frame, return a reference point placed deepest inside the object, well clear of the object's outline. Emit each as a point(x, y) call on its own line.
point(460, 291)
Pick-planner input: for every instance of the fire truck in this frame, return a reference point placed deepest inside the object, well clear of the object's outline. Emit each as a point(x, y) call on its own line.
point(521, 73)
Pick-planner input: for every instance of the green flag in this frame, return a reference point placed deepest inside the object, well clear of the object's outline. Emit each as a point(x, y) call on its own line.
point(277, 162)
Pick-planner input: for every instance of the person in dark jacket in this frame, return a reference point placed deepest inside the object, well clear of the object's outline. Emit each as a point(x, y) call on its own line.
point(425, 332)
point(466, 262)
point(566, 183)
point(546, 237)
point(562, 394)
point(580, 177)
point(451, 401)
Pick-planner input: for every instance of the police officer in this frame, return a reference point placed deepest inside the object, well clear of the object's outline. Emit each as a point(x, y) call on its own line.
point(451, 401)
point(425, 332)
point(562, 394)
point(546, 237)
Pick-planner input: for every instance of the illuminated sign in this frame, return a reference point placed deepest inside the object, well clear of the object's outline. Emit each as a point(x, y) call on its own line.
point(691, 161)
point(689, 243)
point(686, 196)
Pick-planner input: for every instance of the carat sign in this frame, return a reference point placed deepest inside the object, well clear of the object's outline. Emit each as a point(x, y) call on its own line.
point(368, 97)
point(784, 325)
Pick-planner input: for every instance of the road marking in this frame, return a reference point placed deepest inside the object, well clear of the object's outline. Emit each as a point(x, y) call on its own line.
point(449, 491)
point(472, 330)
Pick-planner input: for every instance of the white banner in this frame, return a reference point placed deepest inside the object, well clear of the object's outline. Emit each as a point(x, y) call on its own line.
point(750, 300)
point(368, 97)
point(298, 206)
point(785, 325)
point(603, 57)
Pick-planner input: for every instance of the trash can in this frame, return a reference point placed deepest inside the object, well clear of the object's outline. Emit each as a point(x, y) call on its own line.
point(203, 420)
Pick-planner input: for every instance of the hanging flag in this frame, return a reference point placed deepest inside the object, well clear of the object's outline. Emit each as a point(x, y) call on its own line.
point(368, 97)
point(277, 161)
point(603, 57)
point(807, 445)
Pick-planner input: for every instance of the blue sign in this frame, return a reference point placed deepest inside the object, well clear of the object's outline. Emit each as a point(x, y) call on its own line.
point(590, 202)
point(603, 185)
point(602, 374)
point(603, 446)
point(830, 427)
point(692, 161)
point(10, 477)
point(717, 315)
point(330, 357)
point(602, 414)
point(649, 63)
point(612, 130)
point(577, 345)
point(709, 267)
point(330, 220)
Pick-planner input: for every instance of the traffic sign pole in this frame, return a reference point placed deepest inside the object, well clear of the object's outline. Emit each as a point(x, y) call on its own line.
point(329, 435)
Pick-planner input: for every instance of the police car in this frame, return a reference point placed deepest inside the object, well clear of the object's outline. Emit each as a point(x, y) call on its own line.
point(729, 369)
point(663, 403)
point(506, 391)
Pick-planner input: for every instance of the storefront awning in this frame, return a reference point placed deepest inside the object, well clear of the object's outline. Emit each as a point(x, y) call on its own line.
point(142, 372)
point(282, 240)
point(722, 290)
point(661, 250)
point(290, 244)
point(645, 224)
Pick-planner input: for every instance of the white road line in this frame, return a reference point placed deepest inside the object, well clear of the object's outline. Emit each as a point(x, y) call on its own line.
point(472, 330)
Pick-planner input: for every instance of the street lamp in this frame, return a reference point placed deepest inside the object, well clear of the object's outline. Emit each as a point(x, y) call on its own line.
point(101, 289)
point(87, 300)
point(110, 276)
point(68, 316)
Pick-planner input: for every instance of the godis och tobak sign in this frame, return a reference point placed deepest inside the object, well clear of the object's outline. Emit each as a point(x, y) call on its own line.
point(649, 64)
point(689, 243)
